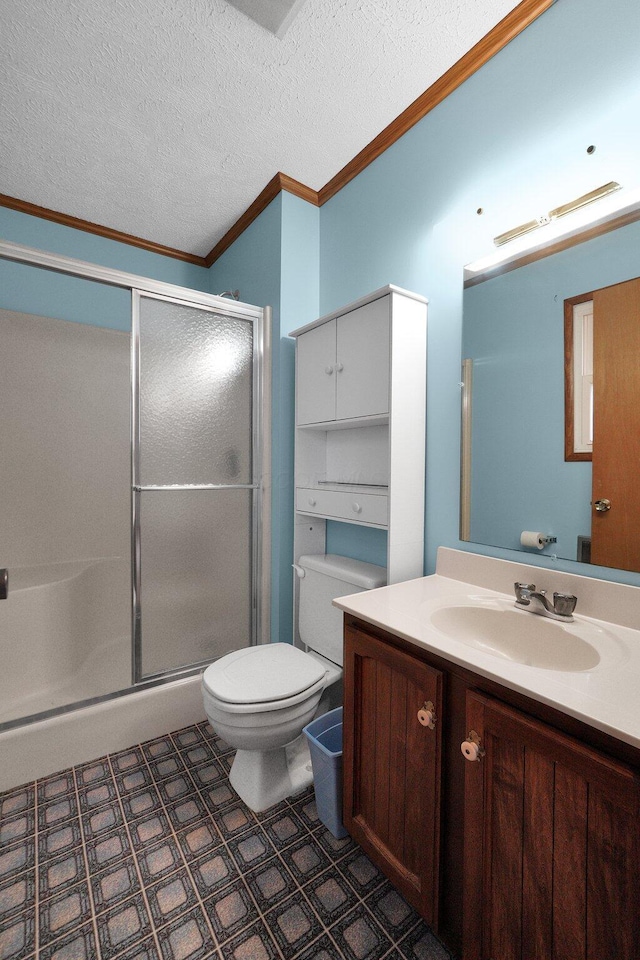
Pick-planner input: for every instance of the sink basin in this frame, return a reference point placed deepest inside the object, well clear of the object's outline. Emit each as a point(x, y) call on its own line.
point(502, 631)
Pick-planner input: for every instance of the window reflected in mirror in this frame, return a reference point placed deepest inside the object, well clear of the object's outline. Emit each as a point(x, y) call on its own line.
point(578, 341)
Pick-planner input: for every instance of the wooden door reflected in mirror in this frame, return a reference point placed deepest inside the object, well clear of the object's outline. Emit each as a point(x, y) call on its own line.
point(615, 528)
point(602, 404)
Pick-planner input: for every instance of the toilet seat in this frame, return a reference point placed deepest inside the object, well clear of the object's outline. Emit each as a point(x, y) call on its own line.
point(267, 677)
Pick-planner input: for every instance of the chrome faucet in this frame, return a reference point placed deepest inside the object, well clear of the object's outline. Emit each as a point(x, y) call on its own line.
point(536, 601)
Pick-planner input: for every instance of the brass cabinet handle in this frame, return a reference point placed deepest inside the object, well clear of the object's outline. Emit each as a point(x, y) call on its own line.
point(602, 505)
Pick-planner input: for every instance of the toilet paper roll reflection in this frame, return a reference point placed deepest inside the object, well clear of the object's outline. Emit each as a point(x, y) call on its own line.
point(532, 538)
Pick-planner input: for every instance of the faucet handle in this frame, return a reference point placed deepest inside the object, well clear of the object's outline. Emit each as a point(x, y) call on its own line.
point(564, 603)
point(523, 591)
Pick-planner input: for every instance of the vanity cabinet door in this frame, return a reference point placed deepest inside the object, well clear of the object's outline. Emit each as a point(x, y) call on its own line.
point(551, 844)
point(392, 764)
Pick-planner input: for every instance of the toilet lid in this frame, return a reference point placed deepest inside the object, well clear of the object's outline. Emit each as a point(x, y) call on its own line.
point(273, 671)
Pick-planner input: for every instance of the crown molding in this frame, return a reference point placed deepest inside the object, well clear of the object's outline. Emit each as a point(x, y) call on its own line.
point(275, 186)
point(514, 23)
point(509, 27)
point(88, 227)
point(497, 38)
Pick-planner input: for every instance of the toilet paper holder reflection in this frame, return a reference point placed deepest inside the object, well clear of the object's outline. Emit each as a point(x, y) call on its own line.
point(532, 538)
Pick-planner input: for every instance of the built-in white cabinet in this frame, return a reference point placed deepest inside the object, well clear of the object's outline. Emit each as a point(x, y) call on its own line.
point(343, 366)
point(360, 425)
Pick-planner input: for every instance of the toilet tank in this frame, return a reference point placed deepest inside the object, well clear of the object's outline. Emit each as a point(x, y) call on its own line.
point(327, 576)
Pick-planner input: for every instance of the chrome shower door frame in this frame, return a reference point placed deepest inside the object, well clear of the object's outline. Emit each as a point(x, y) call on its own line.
point(219, 308)
point(262, 318)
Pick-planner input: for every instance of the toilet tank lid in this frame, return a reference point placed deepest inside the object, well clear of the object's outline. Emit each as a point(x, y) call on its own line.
point(271, 671)
point(356, 572)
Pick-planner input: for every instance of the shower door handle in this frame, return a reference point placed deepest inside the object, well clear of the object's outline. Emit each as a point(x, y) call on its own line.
point(4, 583)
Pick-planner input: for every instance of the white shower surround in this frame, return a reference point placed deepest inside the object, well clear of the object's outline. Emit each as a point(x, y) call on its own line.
point(72, 647)
point(130, 716)
point(72, 642)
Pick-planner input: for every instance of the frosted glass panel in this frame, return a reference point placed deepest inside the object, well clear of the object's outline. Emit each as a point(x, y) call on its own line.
point(196, 576)
point(195, 395)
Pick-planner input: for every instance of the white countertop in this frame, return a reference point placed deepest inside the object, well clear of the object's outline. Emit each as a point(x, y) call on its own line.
point(606, 696)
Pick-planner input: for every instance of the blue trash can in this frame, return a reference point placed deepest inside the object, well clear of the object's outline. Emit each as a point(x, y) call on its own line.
point(325, 746)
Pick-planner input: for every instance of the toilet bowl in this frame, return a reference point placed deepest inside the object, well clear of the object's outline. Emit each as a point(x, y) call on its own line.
point(259, 698)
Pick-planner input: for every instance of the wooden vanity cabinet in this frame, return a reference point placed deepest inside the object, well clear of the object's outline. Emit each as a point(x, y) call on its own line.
point(531, 852)
point(551, 866)
point(391, 764)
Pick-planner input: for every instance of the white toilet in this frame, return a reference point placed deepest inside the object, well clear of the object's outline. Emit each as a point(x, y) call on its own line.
point(259, 698)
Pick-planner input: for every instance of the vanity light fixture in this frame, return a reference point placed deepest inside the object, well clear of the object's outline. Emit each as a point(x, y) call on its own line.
point(520, 230)
point(599, 206)
point(597, 194)
point(558, 212)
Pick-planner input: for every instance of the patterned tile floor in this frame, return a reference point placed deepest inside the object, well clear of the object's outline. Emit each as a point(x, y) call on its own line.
point(148, 854)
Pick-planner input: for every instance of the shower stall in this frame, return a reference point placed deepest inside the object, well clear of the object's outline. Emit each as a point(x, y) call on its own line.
point(133, 518)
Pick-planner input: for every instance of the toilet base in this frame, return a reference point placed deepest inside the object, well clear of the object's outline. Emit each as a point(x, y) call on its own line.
point(262, 778)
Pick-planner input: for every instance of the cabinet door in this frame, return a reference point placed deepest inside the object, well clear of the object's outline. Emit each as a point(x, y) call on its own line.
point(392, 765)
point(363, 361)
point(316, 374)
point(551, 845)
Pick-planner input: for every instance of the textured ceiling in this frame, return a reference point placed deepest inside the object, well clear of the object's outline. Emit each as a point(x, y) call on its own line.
point(166, 118)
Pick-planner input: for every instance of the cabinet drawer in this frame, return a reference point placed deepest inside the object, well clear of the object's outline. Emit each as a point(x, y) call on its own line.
point(356, 507)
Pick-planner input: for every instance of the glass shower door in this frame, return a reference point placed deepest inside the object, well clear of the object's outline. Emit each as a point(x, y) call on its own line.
point(195, 492)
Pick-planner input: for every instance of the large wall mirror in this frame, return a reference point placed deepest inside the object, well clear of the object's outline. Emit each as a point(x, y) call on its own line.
point(518, 474)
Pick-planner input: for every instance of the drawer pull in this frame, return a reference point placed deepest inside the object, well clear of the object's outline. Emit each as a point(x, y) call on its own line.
point(357, 508)
point(312, 502)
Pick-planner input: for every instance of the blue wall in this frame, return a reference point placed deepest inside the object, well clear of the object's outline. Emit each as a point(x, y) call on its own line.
point(55, 238)
point(253, 265)
point(275, 262)
point(30, 289)
point(299, 304)
point(511, 140)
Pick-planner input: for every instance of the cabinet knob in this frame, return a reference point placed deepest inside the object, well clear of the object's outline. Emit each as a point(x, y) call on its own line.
point(602, 505)
point(339, 367)
point(426, 715)
point(471, 747)
point(328, 369)
point(312, 502)
point(356, 507)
